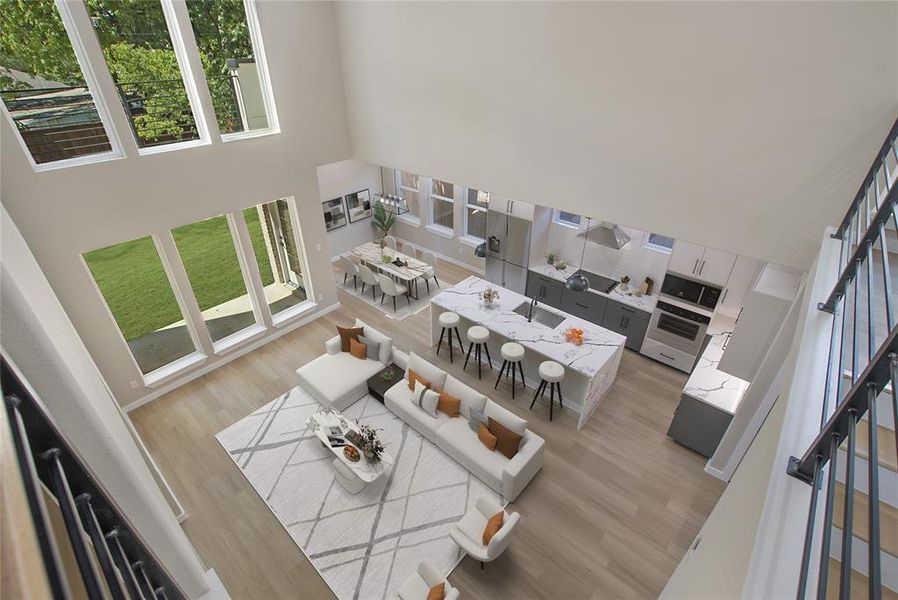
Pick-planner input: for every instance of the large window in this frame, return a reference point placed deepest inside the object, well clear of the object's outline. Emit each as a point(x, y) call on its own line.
point(566, 218)
point(210, 259)
point(409, 186)
point(43, 86)
point(656, 241)
point(475, 213)
point(277, 254)
point(139, 296)
point(145, 65)
point(227, 50)
point(442, 196)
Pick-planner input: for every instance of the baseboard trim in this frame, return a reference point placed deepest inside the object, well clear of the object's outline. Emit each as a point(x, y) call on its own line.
point(715, 472)
point(187, 378)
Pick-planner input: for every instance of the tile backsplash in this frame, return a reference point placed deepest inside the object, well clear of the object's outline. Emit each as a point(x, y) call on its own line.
point(634, 259)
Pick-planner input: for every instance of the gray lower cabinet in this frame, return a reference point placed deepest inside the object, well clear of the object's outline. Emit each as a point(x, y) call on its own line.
point(544, 289)
point(698, 425)
point(585, 305)
point(627, 321)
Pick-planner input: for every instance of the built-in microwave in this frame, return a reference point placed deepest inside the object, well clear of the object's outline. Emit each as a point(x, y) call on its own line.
point(694, 292)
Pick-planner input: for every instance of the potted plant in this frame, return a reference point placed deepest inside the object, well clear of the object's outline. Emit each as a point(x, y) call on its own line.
point(383, 221)
point(372, 447)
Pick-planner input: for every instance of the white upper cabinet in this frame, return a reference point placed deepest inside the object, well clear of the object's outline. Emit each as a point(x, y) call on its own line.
point(516, 208)
point(745, 271)
point(685, 258)
point(716, 266)
point(698, 262)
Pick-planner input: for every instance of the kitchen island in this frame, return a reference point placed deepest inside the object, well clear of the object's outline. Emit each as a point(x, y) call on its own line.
point(590, 369)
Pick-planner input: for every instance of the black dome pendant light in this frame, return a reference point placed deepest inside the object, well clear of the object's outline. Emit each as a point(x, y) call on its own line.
point(577, 282)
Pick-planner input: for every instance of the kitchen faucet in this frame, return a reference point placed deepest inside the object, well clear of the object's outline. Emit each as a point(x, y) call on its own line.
point(530, 312)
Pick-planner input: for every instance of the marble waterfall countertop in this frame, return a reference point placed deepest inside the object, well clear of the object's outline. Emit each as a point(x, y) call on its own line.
point(709, 384)
point(646, 303)
point(599, 346)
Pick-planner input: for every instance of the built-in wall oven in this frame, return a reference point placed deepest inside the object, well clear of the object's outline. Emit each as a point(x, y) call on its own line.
point(694, 292)
point(678, 327)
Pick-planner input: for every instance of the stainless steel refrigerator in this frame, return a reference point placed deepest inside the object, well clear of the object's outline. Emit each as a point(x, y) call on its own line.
point(507, 250)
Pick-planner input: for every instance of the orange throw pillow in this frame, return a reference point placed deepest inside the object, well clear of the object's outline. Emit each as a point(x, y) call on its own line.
point(507, 441)
point(412, 377)
point(437, 592)
point(486, 438)
point(358, 349)
point(492, 526)
point(348, 333)
point(449, 405)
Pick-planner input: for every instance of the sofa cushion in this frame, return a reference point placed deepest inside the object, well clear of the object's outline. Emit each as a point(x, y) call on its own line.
point(386, 343)
point(469, 396)
point(347, 333)
point(435, 375)
point(459, 442)
point(414, 588)
point(507, 441)
point(475, 419)
point(473, 524)
point(398, 399)
point(505, 417)
point(358, 349)
point(486, 438)
point(493, 525)
point(337, 380)
point(425, 399)
point(373, 347)
point(413, 378)
point(449, 404)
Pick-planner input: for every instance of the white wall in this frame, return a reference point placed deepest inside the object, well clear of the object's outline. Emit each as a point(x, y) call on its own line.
point(66, 212)
point(634, 259)
point(341, 178)
point(40, 340)
point(741, 126)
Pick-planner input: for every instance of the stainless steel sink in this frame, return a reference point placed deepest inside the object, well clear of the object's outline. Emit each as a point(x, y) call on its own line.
point(540, 315)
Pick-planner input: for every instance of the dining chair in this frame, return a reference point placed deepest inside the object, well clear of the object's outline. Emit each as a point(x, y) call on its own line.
point(431, 259)
point(349, 268)
point(368, 277)
point(354, 258)
point(409, 250)
point(390, 242)
point(388, 287)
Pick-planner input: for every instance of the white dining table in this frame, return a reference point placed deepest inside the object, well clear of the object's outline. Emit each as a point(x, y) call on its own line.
point(371, 254)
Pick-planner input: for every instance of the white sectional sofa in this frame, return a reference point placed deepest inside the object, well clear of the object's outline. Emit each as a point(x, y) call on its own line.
point(455, 437)
point(337, 379)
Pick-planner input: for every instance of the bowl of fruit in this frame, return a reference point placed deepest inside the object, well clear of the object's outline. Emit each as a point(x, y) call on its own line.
point(574, 335)
point(351, 453)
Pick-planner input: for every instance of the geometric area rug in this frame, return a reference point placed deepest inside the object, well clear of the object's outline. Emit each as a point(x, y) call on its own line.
point(365, 545)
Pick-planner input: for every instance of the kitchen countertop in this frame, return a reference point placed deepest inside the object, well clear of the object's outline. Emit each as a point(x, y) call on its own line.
point(709, 384)
point(646, 303)
point(599, 347)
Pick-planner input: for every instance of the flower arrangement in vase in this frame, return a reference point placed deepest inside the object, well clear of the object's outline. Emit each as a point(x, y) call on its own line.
point(489, 295)
point(372, 447)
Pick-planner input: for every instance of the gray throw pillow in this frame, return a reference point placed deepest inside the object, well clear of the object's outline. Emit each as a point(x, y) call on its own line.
point(477, 417)
point(373, 348)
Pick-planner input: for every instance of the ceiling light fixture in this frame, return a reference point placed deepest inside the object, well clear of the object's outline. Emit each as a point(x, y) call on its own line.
point(578, 282)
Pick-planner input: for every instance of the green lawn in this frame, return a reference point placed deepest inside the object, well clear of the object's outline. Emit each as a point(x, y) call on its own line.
point(135, 286)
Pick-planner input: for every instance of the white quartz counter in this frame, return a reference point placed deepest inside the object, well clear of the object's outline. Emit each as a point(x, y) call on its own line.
point(709, 384)
point(600, 346)
point(646, 303)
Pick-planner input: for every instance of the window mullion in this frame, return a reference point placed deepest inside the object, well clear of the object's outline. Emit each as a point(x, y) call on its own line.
point(247, 259)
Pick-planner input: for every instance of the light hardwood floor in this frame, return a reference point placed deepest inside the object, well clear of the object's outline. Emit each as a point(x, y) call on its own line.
point(610, 515)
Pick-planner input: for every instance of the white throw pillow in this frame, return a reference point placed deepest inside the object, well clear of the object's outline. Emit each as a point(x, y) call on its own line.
point(425, 398)
point(386, 343)
point(435, 375)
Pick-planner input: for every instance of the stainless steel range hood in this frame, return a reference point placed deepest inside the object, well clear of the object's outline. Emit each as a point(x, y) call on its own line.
point(606, 234)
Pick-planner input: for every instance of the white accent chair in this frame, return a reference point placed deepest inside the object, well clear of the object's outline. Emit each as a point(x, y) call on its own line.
point(346, 478)
point(468, 533)
point(349, 269)
point(431, 259)
point(390, 242)
point(425, 577)
point(409, 249)
point(368, 277)
point(388, 287)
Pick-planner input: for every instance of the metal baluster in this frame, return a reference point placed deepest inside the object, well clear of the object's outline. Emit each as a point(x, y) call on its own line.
point(828, 517)
point(809, 530)
point(854, 356)
point(827, 386)
point(871, 326)
point(840, 381)
point(888, 171)
point(886, 276)
point(142, 579)
point(45, 538)
point(894, 383)
point(848, 514)
point(89, 520)
point(873, 492)
point(124, 565)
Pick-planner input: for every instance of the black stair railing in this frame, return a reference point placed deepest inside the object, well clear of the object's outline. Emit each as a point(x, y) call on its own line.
point(862, 362)
point(111, 560)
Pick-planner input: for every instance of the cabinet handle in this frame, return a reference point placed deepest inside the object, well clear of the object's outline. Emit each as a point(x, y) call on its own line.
point(666, 356)
point(629, 310)
point(702, 269)
point(695, 266)
point(627, 326)
point(725, 292)
point(581, 305)
point(621, 324)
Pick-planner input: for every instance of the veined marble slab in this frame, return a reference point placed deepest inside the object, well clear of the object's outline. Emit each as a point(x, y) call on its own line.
point(600, 346)
point(709, 384)
point(646, 303)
